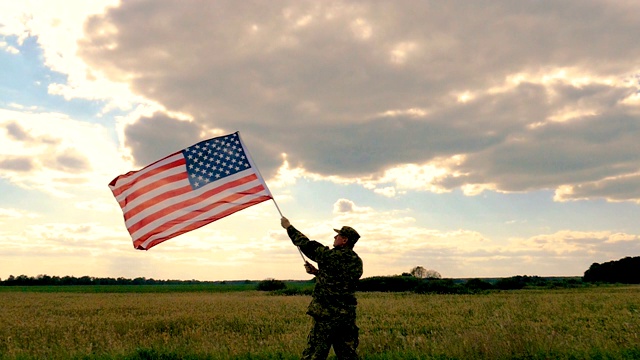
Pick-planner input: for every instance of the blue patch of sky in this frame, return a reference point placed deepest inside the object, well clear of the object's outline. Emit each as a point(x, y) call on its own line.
point(15, 197)
point(24, 80)
point(309, 198)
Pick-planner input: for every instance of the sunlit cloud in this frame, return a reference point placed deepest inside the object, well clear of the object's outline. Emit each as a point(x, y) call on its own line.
point(361, 29)
point(573, 242)
point(402, 51)
point(52, 152)
point(7, 215)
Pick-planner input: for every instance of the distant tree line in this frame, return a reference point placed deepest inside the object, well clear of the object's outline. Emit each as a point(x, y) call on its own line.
point(46, 280)
point(405, 283)
point(397, 283)
point(410, 283)
point(624, 271)
point(419, 280)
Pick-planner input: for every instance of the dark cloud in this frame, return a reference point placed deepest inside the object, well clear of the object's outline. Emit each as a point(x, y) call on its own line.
point(343, 206)
point(71, 160)
point(152, 138)
point(20, 164)
point(616, 189)
point(321, 81)
point(584, 150)
point(17, 132)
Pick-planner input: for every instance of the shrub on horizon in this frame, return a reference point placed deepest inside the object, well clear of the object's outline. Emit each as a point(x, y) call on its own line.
point(271, 285)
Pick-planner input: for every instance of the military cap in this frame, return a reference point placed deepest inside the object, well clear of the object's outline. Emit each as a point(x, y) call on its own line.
point(348, 232)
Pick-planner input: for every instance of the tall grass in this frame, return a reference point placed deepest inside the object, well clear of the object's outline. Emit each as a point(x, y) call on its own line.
point(565, 324)
point(593, 323)
point(233, 287)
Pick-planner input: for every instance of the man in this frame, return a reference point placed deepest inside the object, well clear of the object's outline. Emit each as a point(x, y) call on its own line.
point(333, 304)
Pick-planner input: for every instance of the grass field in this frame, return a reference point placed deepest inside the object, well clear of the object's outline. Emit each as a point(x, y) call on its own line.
point(131, 288)
point(586, 323)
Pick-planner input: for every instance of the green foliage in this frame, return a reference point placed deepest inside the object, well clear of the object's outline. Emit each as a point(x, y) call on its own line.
point(409, 283)
point(512, 283)
point(440, 286)
point(624, 271)
point(154, 354)
point(292, 291)
point(271, 285)
point(520, 282)
point(404, 283)
point(389, 283)
point(478, 285)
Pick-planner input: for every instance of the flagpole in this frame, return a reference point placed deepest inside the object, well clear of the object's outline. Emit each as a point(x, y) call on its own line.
point(265, 185)
point(277, 207)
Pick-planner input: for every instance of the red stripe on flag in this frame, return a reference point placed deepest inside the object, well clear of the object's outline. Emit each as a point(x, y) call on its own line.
point(132, 178)
point(156, 200)
point(200, 224)
point(164, 211)
point(191, 225)
point(155, 185)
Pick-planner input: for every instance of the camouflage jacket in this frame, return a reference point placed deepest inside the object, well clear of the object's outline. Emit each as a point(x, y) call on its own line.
point(339, 270)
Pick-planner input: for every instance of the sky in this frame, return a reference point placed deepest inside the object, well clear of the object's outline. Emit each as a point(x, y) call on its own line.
point(476, 139)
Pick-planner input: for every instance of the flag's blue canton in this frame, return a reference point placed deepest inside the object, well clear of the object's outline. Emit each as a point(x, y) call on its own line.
point(214, 159)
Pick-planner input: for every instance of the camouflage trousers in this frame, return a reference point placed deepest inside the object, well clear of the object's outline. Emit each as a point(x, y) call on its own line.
point(341, 333)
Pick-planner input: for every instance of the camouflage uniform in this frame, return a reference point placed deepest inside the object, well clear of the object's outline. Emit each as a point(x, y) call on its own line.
point(333, 306)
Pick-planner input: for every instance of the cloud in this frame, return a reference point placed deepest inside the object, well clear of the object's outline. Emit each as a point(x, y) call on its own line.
point(601, 245)
point(71, 160)
point(350, 90)
point(344, 206)
point(50, 239)
point(98, 206)
point(19, 164)
point(54, 153)
point(8, 48)
point(17, 132)
point(616, 188)
point(15, 214)
point(154, 137)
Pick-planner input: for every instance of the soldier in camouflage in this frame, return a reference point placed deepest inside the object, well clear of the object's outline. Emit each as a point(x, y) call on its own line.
point(333, 304)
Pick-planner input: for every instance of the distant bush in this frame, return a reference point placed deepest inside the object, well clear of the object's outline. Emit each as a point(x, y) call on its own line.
point(271, 285)
point(440, 286)
point(475, 285)
point(411, 284)
point(564, 283)
point(569, 283)
point(292, 291)
point(510, 283)
point(389, 283)
point(522, 281)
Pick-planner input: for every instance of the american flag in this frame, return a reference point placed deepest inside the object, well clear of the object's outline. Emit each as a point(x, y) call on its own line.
point(188, 189)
